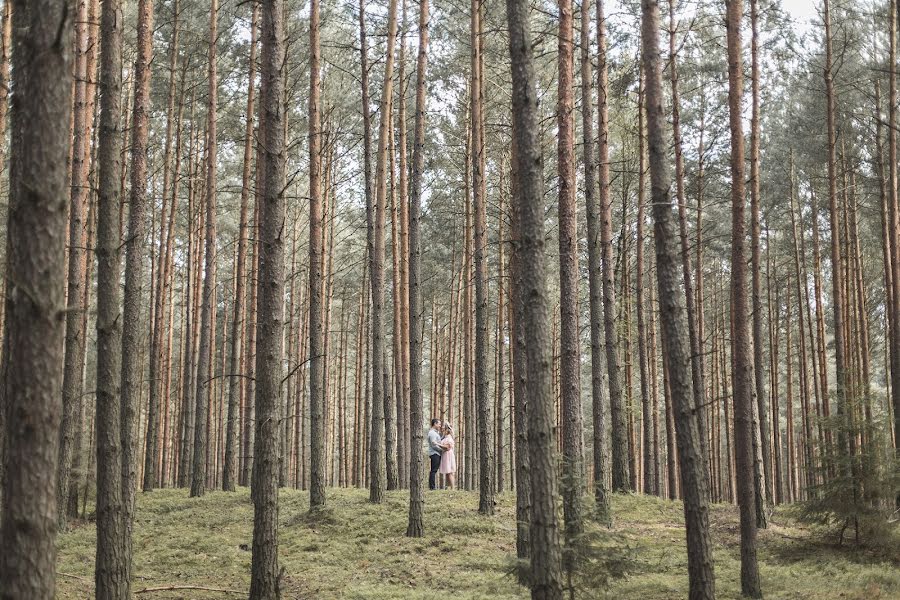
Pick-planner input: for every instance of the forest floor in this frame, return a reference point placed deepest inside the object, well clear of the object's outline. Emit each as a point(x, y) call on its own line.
point(358, 550)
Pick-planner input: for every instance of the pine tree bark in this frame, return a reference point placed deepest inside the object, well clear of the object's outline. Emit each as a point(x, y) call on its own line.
point(742, 359)
point(593, 207)
point(132, 322)
point(416, 527)
point(73, 365)
point(375, 216)
point(837, 279)
point(569, 275)
point(894, 208)
point(208, 306)
point(621, 479)
point(264, 577)
point(519, 376)
point(483, 407)
point(162, 285)
point(110, 572)
point(765, 492)
point(316, 331)
point(546, 575)
point(673, 317)
point(229, 476)
point(697, 366)
point(646, 408)
point(34, 325)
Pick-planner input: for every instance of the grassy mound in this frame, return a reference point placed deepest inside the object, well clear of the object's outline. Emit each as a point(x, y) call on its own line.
point(358, 550)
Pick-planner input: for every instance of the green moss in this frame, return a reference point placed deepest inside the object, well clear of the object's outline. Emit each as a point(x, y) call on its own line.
point(358, 550)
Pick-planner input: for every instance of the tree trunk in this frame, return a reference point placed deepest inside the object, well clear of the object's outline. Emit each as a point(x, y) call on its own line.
point(416, 527)
point(482, 394)
point(110, 570)
point(264, 578)
point(621, 479)
point(646, 409)
point(132, 322)
point(167, 233)
point(593, 208)
point(741, 359)
point(532, 300)
point(764, 488)
point(35, 300)
point(73, 366)
point(569, 275)
point(375, 216)
point(208, 307)
point(837, 279)
point(673, 315)
point(235, 382)
point(893, 213)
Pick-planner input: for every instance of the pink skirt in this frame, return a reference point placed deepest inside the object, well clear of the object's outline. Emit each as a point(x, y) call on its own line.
point(448, 462)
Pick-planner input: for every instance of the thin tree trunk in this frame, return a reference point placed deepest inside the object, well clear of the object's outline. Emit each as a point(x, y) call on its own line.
point(764, 493)
point(837, 278)
point(621, 480)
point(593, 207)
point(569, 275)
point(416, 527)
point(375, 215)
point(742, 359)
point(235, 383)
point(152, 471)
point(893, 213)
point(208, 307)
point(484, 416)
point(132, 322)
point(73, 365)
point(34, 326)
point(648, 482)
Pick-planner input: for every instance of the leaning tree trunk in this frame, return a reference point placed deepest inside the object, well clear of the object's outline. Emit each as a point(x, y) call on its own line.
point(35, 299)
point(546, 574)
point(264, 576)
point(416, 527)
point(132, 324)
point(208, 306)
point(673, 315)
point(741, 354)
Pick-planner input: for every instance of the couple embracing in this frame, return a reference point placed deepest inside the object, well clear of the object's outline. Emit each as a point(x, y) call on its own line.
point(440, 453)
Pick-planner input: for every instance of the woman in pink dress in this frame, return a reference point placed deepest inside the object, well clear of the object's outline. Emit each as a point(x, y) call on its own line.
point(448, 458)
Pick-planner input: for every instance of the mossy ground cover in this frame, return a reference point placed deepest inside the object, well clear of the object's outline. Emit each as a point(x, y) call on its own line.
point(358, 550)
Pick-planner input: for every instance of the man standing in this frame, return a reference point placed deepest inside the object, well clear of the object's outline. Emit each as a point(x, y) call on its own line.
point(434, 451)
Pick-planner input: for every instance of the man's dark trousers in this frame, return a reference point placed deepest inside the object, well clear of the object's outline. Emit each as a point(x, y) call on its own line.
point(435, 465)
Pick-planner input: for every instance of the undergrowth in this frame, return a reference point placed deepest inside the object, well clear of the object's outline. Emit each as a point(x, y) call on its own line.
point(357, 550)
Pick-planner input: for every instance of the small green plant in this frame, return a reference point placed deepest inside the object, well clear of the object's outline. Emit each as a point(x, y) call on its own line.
point(859, 480)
